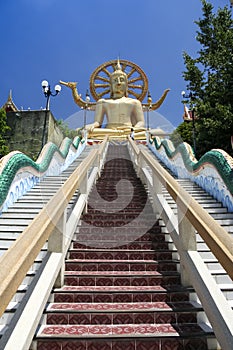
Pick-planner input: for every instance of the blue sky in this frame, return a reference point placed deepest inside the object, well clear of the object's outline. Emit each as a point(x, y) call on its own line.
point(66, 40)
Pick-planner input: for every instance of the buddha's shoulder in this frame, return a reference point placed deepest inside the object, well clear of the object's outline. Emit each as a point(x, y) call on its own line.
point(119, 100)
point(101, 100)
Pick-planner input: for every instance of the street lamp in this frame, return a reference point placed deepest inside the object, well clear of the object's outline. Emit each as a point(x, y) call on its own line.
point(47, 92)
point(149, 101)
point(192, 114)
point(87, 100)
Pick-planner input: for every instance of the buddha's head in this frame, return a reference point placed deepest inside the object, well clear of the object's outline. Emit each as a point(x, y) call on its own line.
point(118, 83)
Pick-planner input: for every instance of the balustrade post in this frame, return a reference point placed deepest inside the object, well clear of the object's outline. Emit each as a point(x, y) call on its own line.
point(156, 189)
point(56, 244)
point(99, 162)
point(83, 190)
point(139, 159)
point(188, 242)
point(133, 157)
point(140, 173)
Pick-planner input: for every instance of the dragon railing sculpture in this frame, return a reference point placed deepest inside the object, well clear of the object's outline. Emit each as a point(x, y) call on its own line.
point(213, 171)
point(19, 173)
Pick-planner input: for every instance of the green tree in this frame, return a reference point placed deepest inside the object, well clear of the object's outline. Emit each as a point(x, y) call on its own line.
point(183, 133)
point(210, 79)
point(3, 130)
point(67, 132)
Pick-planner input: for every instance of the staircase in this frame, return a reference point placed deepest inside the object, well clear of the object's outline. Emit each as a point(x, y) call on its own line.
point(225, 219)
point(12, 224)
point(221, 216)
point(122, 284)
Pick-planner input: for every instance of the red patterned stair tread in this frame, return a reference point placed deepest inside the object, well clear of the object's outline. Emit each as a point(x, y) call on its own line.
point(110, 288)
point(110, 224)
point(140, 306)
point(113, 273)
point(130, 330)
point(112, 261)
point(141, 330)
point(137, 250)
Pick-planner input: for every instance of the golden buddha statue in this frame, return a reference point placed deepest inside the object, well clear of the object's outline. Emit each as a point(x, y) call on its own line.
point(122, 112)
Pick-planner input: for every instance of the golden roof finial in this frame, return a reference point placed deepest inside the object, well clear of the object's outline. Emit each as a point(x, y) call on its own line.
point(9, 106)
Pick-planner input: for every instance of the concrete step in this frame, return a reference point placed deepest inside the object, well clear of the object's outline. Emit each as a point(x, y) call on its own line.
point(126, 336)
point(121, 313)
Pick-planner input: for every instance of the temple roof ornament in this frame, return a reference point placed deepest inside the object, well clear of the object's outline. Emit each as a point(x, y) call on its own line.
point(9, 106)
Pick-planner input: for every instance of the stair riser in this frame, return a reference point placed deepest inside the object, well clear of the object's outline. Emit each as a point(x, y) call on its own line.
point(121, 281)
point(120, 256)
point(121, 245)
point(121, 344)
point(133, 245)
point(132, 233)
point(114, 216)
point(120, 318)
point(91, 234)
point(147, 237)
point(106, 297)
point(72, 266)
point(127, 344)
point(105, 206)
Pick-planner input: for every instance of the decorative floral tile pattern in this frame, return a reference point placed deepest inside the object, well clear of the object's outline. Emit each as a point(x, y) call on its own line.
point(108, 330)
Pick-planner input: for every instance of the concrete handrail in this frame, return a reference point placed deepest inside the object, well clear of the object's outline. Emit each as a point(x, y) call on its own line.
point(220, 243)
point(133, 145)
point(103, 145)
point(15, 263)
point(191, 217)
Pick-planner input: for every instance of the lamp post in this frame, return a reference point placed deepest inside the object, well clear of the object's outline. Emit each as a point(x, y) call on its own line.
point(192, 114)
point(87, 100)
point(149, 101)
point(47, 92)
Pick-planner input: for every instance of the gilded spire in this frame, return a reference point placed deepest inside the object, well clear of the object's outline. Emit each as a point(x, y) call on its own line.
point(9, 106)
point(118, 65)
point(118, 70)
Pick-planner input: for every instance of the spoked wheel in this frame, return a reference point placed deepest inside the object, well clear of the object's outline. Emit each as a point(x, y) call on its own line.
point(100, 80)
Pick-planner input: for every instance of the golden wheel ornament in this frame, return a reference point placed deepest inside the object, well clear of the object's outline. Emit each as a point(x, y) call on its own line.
point(100, 80)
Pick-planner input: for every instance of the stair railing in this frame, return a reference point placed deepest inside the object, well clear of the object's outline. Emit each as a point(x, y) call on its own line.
point(191, 218)
point(50, 224)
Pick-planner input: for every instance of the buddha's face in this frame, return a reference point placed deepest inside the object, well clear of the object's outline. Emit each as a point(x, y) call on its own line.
point(118, 85)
